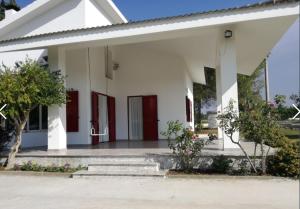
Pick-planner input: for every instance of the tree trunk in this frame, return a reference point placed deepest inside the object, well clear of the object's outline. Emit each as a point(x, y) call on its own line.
point(10, 162)
point(254, 155)
point(245, 153)
point(247, 156)
point(263, 159)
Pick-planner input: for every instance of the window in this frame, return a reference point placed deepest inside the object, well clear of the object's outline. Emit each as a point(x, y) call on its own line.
point(44, 117)
point(38, 119)
point(34, 119)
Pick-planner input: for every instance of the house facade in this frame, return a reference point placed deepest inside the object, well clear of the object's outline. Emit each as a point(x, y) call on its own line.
point(126, 80)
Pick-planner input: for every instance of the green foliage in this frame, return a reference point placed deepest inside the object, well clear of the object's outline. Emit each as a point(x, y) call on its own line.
point(296, 99)
point(32, 166)
point(250, 88)
point(229, 120)
point(260, 126)
point(23, 88)
point(204, 95)
point(286, 161)
point(185, 147)
point(221, 165)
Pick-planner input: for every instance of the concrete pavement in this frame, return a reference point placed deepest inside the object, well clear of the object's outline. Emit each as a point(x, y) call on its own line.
point(42, 192)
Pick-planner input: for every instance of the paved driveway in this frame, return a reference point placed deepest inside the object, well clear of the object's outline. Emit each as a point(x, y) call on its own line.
point(32, 192)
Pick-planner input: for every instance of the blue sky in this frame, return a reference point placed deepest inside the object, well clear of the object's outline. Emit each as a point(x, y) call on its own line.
point(284, 58)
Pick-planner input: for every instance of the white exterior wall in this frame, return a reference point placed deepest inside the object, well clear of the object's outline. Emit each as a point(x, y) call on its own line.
point(142, 71)
point(68, 15)
point(148, 72)
point(85, 77)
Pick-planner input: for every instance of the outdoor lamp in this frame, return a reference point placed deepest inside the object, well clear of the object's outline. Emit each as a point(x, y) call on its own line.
point(228, 34)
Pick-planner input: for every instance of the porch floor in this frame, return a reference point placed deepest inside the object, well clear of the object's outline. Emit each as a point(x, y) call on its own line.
point(133, 148)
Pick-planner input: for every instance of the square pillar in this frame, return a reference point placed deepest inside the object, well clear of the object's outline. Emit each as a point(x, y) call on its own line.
point(219, 99)
point(228, 82)
point(57, 136)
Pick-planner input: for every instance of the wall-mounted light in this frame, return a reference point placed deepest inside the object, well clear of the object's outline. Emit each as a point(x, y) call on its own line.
point(228, 34)
point(116, 66)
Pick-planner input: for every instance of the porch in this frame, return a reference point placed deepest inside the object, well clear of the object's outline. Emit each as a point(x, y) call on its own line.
point(131, 148)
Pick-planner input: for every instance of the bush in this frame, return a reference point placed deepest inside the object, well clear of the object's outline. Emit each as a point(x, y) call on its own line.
point(186, 146)
point(221, 165)
point(286, 161)
point(32, 166)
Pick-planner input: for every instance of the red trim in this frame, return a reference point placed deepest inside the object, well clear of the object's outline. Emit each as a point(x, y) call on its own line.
point(95, 117)
point(150, 121)
point(111, 107)
point(72, 111)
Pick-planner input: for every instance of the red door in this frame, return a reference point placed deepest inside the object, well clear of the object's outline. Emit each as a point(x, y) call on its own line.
point(95, 117)
point(111, 106)
point(72, 109)
point(150, 121)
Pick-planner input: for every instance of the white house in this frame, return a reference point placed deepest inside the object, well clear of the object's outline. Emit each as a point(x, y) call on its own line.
point(127, 79)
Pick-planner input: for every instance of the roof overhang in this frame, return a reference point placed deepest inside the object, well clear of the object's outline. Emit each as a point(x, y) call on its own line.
point(158, 29)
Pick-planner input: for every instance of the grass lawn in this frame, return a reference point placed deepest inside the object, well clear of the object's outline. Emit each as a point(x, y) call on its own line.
point(292, 134)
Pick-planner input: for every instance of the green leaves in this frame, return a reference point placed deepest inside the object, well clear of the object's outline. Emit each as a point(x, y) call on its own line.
point(185, 146)
point(24, 87)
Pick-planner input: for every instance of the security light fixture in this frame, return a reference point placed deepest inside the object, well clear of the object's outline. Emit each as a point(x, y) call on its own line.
point(228, 34)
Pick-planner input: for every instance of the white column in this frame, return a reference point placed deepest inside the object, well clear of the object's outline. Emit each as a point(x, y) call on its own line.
point(219, 99)
point(228, 84)
point(57, 136)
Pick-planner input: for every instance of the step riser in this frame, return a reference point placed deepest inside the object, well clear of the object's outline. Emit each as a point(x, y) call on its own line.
point(101, 176)
point(123, 168)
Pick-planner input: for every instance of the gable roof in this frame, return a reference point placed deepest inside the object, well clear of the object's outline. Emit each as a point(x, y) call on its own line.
point(266, 4)
point(41, 6)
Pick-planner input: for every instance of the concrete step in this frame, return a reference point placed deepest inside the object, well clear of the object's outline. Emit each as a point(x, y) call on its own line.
point(123, 166)
point(99, 174)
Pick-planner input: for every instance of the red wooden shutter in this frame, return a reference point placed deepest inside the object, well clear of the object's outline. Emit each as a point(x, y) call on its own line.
point(95, 117)
point(111, 105)
point(72, 109)
point(188, 109)
point(150, 121)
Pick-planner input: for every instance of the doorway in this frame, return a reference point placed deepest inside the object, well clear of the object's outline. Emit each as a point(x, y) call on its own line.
point(103, 118)
point(142, 118)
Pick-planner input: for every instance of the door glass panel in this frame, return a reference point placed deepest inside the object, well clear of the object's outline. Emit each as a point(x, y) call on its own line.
point(103, 118)
point(135, 118)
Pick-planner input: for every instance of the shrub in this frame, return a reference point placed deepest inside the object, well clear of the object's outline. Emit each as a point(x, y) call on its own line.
point(286, 161)
point(221, 164)
point(186, 146)
point(32, 166)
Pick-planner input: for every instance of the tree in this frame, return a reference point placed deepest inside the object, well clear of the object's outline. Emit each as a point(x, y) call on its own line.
point(250, 88)
point(279, 100)
point(296, 99)
point(12, 4)
point(231, 123)
point(23, 88)
point(260, 126)
point(204, 95)
point(2, 10)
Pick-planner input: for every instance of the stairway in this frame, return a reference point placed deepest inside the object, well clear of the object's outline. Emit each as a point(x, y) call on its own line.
point(121, 167)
